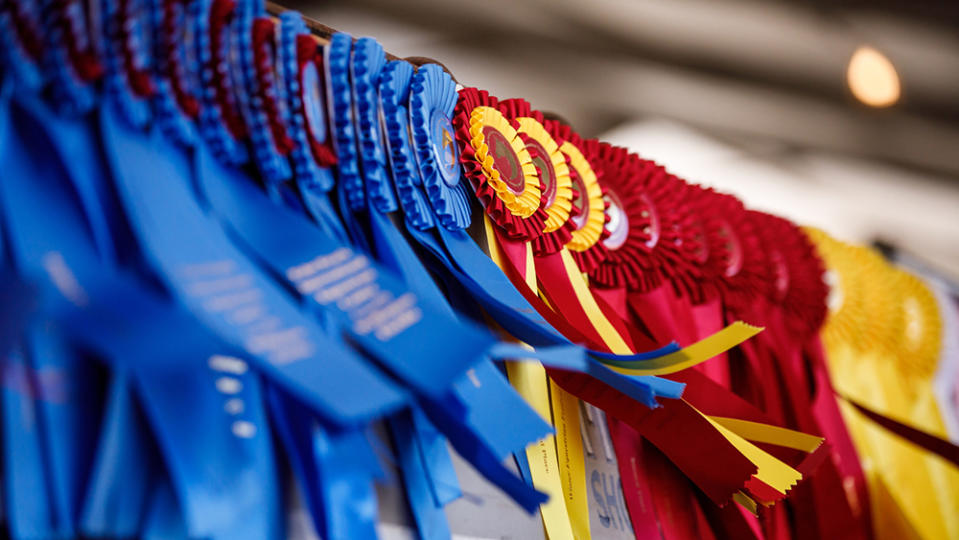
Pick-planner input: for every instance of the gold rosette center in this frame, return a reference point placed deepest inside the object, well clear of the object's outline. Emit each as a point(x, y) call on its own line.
point(588, 209)
point(506, 164)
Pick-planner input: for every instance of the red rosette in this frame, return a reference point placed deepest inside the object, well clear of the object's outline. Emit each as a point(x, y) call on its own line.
point(552, 166)
point(308, 51)
point(499, 168)
point(646, 217)
point(747, 275)
point(797, 285)
point(706, 248)
point(588, 215)
point(683, 243)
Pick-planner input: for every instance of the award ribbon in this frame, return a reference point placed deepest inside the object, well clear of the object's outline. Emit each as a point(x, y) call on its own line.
point(509, 210)
point(304, 89)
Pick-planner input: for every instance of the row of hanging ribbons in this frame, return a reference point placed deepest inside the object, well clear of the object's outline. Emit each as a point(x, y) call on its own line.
point(231, 247)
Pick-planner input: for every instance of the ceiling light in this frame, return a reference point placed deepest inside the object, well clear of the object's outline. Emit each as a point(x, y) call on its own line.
point(872, 78)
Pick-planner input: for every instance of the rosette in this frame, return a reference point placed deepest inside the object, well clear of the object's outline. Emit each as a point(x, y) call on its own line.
point(706, 246)
point(263, 80)
point(21, 43)
point(71, 53)
point(918, 339)
point(127, 56)
point(864, 335)
point(588, 207)
point(339, 100)
point(555, 184)
point(680, 237)
point(432, 101)
point(747, 275)
point(499, 167)
point(859, 319)
point(798, 287)
point(394, 98)
point(796, 307)
point(846, 318)
point(645, 225)
point(301, 61)
point(221, 118)
point(176, 102)
point(368, 60)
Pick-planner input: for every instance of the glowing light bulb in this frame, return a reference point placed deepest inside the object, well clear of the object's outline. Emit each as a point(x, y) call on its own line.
point(872, 78)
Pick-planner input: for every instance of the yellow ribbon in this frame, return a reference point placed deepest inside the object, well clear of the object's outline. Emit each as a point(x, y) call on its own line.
point(883, 338)
point(697, 353)
point(572, 467)
point(529, 379)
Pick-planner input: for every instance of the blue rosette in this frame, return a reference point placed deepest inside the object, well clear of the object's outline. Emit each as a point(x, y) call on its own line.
point(394, 97)
point(176, 101)
point(128, 58)
point(368, 61)
point(21, 45)
point(221, 120)
point(339, 100)
point(303, 91)
point(432, 101)
point(261, 76)
point(71, 56)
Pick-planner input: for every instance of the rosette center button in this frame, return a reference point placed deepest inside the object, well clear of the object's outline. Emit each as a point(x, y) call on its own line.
point(505, 160)
point(444, 148)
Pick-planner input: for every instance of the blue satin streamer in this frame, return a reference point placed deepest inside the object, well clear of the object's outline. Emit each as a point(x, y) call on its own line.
point(124, 467)
point(421, 473)
point(26, 506)
point(194, 255)
point(221, 461)
point(317, 265)
point(57, 382)
point(164, 519)
point(26, 499)
point(294, 426)
point(114, 482)
point(232, 475)
point(313, 459)
point(345, 462)
point(484, 391)
point(424, 460)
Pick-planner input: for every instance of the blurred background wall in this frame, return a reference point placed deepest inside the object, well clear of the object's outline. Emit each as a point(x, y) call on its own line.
point(840, 114)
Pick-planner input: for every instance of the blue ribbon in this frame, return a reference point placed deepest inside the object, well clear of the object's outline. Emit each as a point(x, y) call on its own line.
point(214, 58)
point(273, 166)
point(71, 94)
point(368, 60)
point(306, 93)
point(431, 104)
point(185, 65)
point(336, 56)
point(16, 61)
point(394, 96)
point(203, 482)
point(164, 519)
point(52, 381)
point(117, 20)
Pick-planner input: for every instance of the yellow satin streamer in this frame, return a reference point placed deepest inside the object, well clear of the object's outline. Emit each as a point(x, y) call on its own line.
point(746, 502)
point(569, 450)
point(546, 464)
point(770, 470)
point(764, 433)
point(607, 332)
point(697, 353)
point(529, 379)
